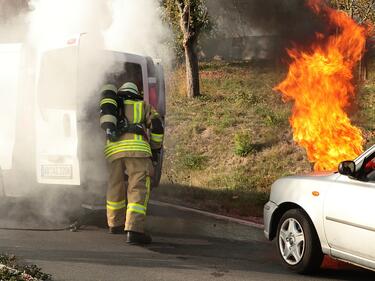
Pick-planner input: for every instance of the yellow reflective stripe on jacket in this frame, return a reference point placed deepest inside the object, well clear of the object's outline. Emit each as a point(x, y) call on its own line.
point(148, 188)
point(137, 115)
point(136, 118)
point(135, 144)
point(111, 152)
point(136, 208)
point(116, 205)
point(157, 137)
point(129, 102)
point(127, 145)
point(140, 112)
point(138, 143)
point(108, 100)
point(140, 146)
point(110, 144)
point(125, 149)
point(108, 155)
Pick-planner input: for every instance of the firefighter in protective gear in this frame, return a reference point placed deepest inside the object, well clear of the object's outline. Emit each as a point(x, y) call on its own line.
point(134, 134)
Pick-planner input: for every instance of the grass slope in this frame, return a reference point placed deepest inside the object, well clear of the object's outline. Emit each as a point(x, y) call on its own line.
point(225, 148)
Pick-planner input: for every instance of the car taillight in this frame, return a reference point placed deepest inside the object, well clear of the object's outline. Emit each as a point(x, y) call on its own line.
point(153, 96)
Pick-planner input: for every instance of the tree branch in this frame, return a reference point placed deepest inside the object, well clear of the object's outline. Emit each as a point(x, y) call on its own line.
point(201, 24)
point(180, 5)
point(351, 8)
point(184, 9)
point(337, 5)
point(367, 13)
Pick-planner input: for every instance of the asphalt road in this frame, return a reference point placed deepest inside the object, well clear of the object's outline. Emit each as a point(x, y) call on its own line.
point(180, 251)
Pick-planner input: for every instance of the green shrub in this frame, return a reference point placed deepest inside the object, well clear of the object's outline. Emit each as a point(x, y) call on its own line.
point(273, 117)
point(16, 270)
point(193, 161)
point(243, 144)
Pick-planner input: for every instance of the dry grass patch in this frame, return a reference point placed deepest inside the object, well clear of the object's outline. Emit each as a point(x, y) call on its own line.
point(225, 148)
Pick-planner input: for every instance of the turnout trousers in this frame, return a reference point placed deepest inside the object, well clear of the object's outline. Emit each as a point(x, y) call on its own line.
point(128, 196)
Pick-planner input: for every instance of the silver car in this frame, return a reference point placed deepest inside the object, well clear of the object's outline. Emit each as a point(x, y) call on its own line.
point(325, 214)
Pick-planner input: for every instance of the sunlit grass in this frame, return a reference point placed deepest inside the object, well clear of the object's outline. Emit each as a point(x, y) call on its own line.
point(235, 140)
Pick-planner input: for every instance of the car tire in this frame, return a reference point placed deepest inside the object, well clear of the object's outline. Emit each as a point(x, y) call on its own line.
point(298, 243)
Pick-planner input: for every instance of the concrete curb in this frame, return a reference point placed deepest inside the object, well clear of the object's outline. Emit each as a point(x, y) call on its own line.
point(167, 218)
point(208, 214)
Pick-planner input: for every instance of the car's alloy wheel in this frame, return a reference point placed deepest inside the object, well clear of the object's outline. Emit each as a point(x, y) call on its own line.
point(291, 241)
point(298, 242)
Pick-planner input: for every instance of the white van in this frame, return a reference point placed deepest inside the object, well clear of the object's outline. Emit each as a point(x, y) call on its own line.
point(59, 138)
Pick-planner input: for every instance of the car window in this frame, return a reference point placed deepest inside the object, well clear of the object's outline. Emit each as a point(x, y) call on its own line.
point(368, 168)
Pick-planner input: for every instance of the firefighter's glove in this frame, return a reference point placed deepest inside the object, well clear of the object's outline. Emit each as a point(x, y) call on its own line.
point(139, 129)
point(121, 127)
point(111, 135)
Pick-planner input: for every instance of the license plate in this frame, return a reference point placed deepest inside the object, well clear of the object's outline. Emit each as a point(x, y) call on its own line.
point(57, 171)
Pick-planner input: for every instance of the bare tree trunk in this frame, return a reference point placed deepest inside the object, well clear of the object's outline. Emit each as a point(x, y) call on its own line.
point(192, 70)
point(363, 67)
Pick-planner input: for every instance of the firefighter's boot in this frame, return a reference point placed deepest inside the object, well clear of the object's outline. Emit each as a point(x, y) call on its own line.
point(137, 238)
point(116, 230)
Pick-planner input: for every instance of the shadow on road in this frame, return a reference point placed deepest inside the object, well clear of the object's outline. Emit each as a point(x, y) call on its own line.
point(184, 250)
point(249, 256)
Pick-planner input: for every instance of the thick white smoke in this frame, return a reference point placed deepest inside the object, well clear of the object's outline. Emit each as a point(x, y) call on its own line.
point(120, 25)
point(53, 21)
point(137, 28)
point(9, 67)
point(12, 29)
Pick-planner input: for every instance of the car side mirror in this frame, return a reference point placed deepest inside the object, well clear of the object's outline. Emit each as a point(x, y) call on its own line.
point(347, 168)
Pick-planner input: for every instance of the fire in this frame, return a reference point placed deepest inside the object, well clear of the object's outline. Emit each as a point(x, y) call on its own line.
point(320, 82)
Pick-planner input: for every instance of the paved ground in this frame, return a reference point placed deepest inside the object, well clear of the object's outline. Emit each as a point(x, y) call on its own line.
point(177, 253)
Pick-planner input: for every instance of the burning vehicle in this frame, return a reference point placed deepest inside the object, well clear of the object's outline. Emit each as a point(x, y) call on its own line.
point(53, 137)
point(325, 214)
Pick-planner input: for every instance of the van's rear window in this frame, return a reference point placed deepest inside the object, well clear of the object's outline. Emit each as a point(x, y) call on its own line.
point(126, 72)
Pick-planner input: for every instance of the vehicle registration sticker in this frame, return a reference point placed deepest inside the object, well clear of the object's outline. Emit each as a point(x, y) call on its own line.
point(57, 171)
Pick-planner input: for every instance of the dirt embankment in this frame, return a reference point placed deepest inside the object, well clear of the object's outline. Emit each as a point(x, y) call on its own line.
point(225, 148)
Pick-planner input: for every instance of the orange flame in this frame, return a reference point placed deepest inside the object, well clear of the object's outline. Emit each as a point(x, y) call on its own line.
point(320, 82)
